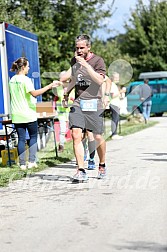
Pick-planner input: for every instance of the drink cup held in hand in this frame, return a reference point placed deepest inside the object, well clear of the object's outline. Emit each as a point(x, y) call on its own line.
point(56, 83)
point(65, 101)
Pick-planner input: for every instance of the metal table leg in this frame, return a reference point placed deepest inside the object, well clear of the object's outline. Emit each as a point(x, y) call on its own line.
point(7, 140)
point(54, 135)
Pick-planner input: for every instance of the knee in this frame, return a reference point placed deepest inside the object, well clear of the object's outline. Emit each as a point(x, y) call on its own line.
point(21, 138)
point(98, 138)
point(76, 136)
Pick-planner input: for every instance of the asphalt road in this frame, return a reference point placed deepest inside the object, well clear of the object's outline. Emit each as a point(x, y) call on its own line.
point(125, 212)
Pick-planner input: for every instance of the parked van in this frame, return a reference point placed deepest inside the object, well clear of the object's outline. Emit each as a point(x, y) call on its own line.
point(159, 96)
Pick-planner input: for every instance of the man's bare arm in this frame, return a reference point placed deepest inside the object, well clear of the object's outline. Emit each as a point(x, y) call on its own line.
point(66, 76)
point(71, 85)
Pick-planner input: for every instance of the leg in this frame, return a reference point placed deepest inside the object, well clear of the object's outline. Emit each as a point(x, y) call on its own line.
point(92, 148)
point(149, 109)
point(91, 145)
point(144, 110)
point(114, 119)
point(77, 125)
point(62, 134)
point(21, 131)
point(101, 148)
point(94, 122)
point(78, 146)
point(32, 128)
point(84, 141)
point(100, 143)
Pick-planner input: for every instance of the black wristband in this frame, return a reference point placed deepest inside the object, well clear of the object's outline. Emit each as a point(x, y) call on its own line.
point(107, 94)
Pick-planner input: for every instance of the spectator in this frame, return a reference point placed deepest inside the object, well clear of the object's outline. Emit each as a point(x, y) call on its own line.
point(123, 101)
point(145, 97)
point(23, 110)
point(115, 106)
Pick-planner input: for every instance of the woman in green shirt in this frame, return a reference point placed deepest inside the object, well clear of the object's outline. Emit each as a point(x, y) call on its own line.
point(23, 109)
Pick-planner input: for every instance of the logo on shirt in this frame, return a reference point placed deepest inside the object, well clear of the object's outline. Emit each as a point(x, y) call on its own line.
point(82, 82)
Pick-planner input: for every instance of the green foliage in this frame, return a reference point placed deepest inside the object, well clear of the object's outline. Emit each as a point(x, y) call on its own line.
point(56, 24)
point(145, 39)
point(110, 51)
point(84, 18)
point(11, 12)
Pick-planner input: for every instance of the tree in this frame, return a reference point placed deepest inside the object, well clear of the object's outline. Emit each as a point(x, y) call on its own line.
point(108, 50)
point(74, 17)
point(11, 12)
point(56, 23)
point(145, 38)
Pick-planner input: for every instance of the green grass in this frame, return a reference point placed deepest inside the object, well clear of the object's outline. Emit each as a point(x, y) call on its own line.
point(47, 157)
point(130, 128)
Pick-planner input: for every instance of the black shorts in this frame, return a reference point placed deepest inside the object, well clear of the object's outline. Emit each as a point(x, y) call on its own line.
point(90, 120)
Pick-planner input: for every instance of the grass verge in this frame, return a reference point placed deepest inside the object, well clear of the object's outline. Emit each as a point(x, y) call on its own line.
point(47, 157)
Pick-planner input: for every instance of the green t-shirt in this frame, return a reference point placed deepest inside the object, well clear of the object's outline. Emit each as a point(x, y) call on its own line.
point(23, 104)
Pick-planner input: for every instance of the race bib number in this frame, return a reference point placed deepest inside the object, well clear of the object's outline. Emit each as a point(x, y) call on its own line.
point(88, 105)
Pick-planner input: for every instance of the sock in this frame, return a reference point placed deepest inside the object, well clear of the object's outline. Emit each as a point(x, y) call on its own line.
point(102, 165)
point(82, 169)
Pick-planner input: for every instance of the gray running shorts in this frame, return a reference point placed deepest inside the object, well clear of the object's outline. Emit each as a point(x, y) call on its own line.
point(90, 120)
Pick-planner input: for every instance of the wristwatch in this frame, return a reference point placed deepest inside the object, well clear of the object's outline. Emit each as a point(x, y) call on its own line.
point(107, 94)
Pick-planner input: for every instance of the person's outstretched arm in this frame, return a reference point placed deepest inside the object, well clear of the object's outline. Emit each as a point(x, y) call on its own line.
point(40, 91)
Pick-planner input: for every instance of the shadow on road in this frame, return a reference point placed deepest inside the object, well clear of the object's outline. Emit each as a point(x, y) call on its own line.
point(142, 246)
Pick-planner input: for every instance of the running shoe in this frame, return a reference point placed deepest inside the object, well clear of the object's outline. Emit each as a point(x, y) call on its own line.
point(23, 167)
point(32, 165)
point(101, 172)
point(61, 148)
point(116, 137)
point(80, 176)
point(91, 164)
